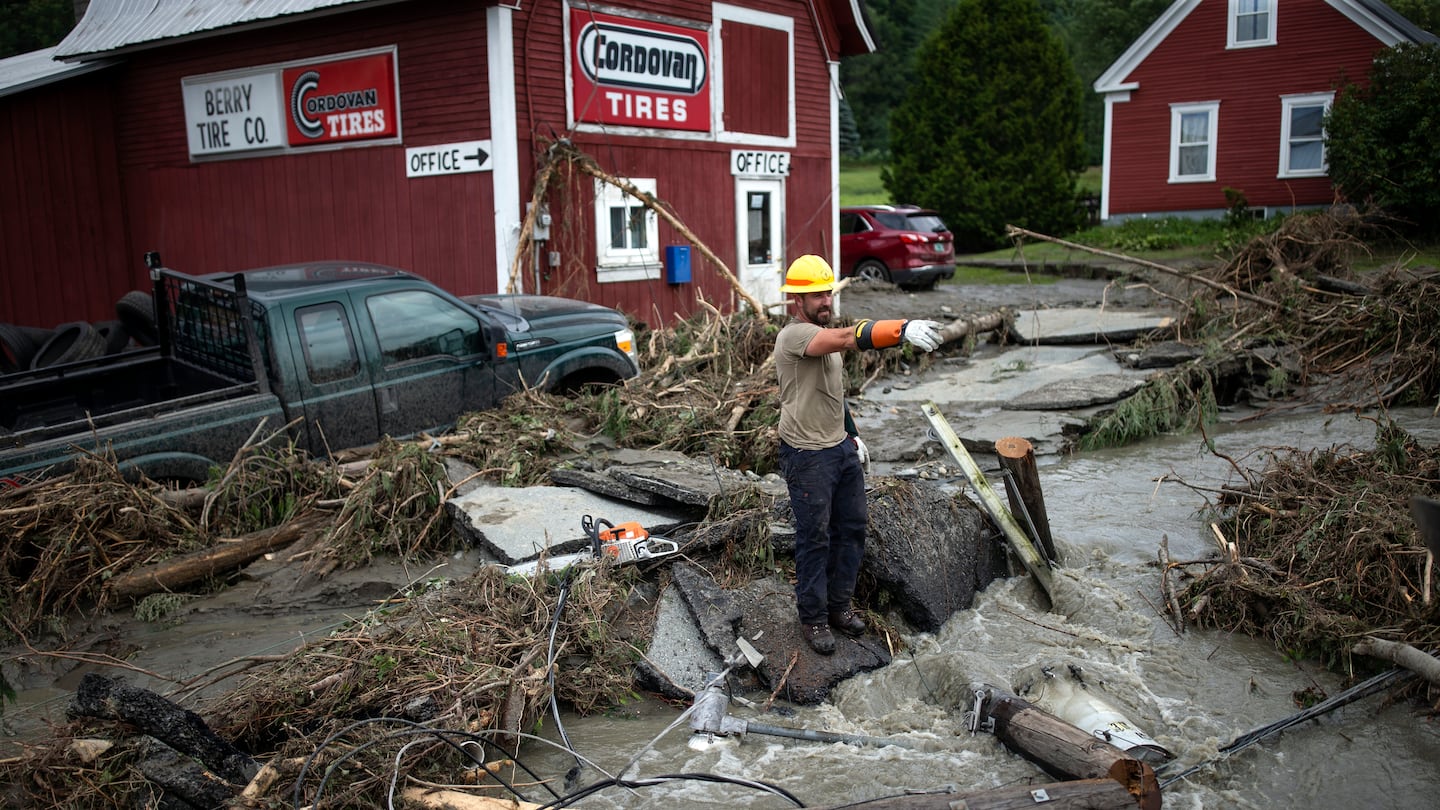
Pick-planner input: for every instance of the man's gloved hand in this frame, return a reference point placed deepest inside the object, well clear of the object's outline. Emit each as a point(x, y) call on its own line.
point(863, 451)
point(923, 335)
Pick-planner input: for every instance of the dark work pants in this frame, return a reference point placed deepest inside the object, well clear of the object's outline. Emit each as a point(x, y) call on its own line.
point(827, 495)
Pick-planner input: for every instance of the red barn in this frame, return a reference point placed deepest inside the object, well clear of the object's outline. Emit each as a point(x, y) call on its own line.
point(1231, 94)
point(420, 133)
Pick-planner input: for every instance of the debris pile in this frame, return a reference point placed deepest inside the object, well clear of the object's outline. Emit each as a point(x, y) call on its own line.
point(1319, 550)
point(1286, 320)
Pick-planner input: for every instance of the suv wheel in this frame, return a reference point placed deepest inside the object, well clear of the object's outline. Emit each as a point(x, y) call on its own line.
point(872, 270)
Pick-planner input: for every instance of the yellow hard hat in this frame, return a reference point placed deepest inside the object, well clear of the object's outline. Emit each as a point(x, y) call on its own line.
point(808, 274)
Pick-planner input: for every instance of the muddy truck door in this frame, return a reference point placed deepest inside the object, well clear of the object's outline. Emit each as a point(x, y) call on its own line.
point(331, 382)
point(431, 358)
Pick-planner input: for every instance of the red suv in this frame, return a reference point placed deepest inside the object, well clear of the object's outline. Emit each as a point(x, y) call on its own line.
point(904, 244)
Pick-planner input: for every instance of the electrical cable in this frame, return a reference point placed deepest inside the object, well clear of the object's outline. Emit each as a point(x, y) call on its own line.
point(1249, 738)
point(653, 781)
point(415, 728)
point(550, 661)
point(395, 774)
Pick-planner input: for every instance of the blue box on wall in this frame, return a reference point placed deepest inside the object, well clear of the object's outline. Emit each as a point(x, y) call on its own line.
point(677, 264)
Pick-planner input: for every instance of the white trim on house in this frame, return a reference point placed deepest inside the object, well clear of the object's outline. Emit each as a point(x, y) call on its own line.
point(1178, 112)
point(1375, 18)
point(1232, 23)
point(504, 144)
point(721, 13)
point(1288, 104)
point(1111, 80)
point(626, 262)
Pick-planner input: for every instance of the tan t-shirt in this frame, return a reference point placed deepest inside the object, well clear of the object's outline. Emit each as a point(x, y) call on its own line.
point(812, 390)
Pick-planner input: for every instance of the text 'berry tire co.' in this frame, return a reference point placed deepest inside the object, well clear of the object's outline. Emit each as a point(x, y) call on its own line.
point(413, 134)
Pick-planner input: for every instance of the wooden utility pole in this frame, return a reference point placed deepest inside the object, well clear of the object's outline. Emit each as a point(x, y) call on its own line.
point(1017, 457)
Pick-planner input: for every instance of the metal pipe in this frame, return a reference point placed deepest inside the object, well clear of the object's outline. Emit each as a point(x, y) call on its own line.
point(822, 736)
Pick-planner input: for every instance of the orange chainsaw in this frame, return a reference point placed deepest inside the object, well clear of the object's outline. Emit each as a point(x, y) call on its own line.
point(629, 542)
point(626, 543)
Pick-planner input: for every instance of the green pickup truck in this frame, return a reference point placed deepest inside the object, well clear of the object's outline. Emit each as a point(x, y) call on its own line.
point(342, 352)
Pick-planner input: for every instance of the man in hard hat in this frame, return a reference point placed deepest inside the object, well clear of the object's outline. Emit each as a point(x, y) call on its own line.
point(821, 453)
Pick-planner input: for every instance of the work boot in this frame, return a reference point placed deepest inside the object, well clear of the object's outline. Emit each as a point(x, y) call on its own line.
point(848, 623)
point(818, 637)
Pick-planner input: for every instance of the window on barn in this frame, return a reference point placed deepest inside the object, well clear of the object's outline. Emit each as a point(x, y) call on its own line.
point(756, 76)
point(627, 233)
point(1302, 134)
point(1252, 23)
point(1192, 142)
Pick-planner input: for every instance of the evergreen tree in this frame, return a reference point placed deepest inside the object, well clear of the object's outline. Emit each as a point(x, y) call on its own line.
point(1382, 142)
point(29, 25)
point(989, 133)
point(849, 136)
point(874, 83)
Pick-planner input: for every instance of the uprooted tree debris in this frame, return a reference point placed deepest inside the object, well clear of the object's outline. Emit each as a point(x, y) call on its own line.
point(1285, 320)
point(1318, 552)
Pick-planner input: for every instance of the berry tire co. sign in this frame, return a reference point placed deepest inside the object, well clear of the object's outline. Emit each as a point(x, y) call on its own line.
point(329, 102)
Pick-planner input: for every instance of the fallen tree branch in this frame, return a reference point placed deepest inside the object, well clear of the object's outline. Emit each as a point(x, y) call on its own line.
point(1012, 231)
point(181, 571)
point(1415, 660)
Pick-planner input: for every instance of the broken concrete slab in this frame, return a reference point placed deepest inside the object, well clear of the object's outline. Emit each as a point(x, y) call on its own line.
point(1071, 325)
point(1070, 394)
point(695, 482)
point(927, 554)
point(661, 477)
point(996, 375)
point(516, 524)
point(802, 675)
point(679, 655)
point(604, 484)
point(1166, 354)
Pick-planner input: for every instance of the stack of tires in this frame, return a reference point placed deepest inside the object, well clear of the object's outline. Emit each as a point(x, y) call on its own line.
point(27, 347)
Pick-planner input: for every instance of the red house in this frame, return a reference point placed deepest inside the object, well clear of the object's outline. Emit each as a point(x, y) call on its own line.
point(419, 133)
point(1231, 94)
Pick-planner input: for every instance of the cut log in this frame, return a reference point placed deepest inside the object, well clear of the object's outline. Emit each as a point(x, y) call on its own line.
point(1404, 655)
point(183, 730)
point(1085, 794)
point(1017, 457)
point(1063, 750)
point(964, 327)
point(181, 571)
point(444, 799)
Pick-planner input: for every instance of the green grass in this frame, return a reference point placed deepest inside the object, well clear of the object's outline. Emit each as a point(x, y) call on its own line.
point(860, 184)
point(966, 274)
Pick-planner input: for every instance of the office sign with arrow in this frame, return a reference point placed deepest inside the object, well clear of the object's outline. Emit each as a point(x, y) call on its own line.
point(447, 158)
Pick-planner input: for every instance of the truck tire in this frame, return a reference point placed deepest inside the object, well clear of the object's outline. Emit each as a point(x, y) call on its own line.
point(116, 338)
point(71, 342)
point(16, 348)
point(136, 310)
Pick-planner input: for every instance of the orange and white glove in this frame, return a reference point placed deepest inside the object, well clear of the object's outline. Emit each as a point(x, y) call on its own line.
point(923, 335)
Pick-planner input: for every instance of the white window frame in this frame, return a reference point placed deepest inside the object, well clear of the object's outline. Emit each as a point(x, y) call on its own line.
point(1288, 105)
point(1270, 8)
point(760, 19)
point(1177, 115)
point(628, 263)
